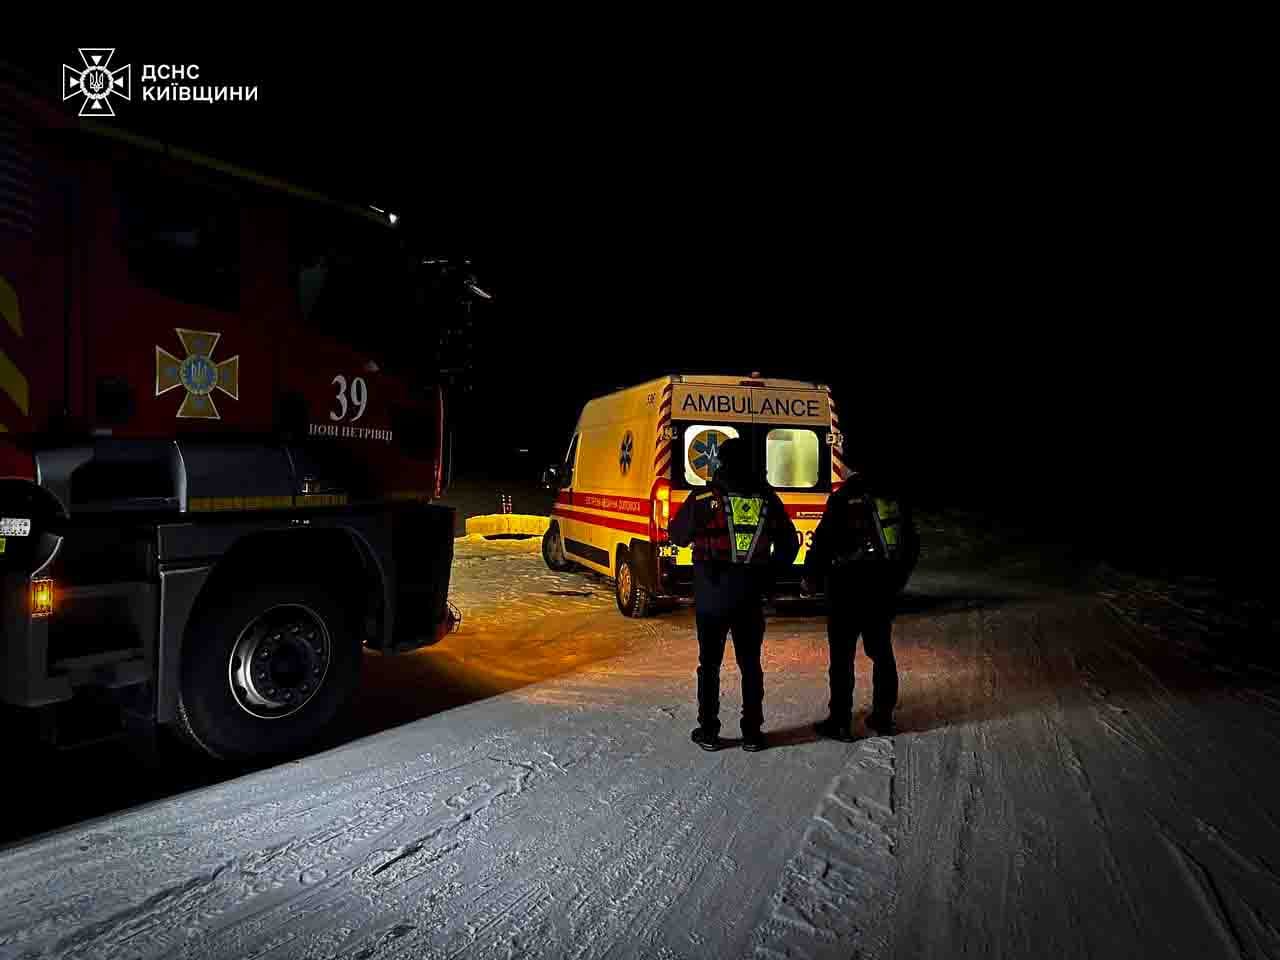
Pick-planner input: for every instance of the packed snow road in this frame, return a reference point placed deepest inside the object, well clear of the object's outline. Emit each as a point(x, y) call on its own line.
point(1067, 784)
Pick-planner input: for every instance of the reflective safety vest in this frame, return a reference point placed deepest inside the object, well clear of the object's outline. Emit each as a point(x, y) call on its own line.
point(889, 522)
point(729, 528)
point(746, 526)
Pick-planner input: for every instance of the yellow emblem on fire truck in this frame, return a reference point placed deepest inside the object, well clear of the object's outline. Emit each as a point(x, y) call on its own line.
point(198, 373)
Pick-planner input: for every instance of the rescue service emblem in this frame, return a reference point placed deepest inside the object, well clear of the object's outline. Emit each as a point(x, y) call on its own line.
point(198, 374)
point(625, 452)
point(97, 82)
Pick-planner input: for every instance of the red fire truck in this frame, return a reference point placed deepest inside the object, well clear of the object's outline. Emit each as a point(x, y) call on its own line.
point(217, 483)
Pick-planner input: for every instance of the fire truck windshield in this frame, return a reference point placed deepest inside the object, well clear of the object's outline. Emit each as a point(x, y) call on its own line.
point(357, 284)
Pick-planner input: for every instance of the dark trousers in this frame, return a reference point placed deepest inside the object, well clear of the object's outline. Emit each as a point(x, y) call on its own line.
point(875, 625)
point(747, 626)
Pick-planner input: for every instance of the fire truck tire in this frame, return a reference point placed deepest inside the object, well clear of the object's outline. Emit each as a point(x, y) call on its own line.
point(553, 550)
point(266, 670)
point(633, 599)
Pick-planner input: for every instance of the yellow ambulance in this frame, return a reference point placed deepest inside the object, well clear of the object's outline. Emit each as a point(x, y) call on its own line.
point(636, 455)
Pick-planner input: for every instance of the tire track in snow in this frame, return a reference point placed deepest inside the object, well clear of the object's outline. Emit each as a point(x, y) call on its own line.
point(937, 788)
point(838, 892)
point(409, 865)
point(1054, 716)
point(1008, 849)
point(42, 914)
point(534, 930)
point(324, 855)
point(426, 897)
point(616, 873)
point(1207, 894)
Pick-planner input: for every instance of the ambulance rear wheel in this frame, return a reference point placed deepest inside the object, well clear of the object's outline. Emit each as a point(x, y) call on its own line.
point(553, 550)
point(633, 599)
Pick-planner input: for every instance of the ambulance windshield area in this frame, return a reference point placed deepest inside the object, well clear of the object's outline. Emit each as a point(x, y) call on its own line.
point(794, 458)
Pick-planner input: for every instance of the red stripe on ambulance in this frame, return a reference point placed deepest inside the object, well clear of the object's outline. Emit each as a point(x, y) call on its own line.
point(641, 529)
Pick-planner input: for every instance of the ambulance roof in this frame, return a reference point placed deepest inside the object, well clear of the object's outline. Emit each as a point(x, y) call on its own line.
point(715, 379)
point(767, 382)
point(628, 402)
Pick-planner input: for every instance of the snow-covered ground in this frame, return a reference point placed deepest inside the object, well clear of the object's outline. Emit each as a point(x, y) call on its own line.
point(1069, 783)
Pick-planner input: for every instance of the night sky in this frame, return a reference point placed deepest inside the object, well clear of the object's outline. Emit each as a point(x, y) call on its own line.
point(1034, 293)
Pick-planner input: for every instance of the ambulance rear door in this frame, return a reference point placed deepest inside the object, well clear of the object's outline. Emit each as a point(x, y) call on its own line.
point(793, 439)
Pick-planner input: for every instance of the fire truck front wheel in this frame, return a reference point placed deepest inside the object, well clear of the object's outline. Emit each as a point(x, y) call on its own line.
point(266, 670)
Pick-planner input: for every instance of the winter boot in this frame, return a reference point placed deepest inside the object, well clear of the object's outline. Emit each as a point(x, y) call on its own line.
point(881, 724)
point(706, 739)
point(835, 729)
point(752, 740)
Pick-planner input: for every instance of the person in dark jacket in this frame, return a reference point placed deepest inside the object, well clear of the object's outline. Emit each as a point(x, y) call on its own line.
point(741, 537)
point(858, 552)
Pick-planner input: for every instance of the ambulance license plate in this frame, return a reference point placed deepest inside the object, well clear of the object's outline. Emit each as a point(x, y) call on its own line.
point(15, 527)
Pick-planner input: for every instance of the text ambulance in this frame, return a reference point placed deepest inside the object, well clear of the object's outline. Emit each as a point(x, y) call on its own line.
point(636, 455)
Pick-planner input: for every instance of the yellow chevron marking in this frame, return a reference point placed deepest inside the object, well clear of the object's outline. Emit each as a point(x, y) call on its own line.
point(14, 384)
point(9, 306)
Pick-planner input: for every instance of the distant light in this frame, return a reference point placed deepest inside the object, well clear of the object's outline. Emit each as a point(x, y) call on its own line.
point(393, 218)
point(523, 450)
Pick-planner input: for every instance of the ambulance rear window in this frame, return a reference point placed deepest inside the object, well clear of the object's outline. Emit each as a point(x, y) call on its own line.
point(702, 451)
point(792, 458)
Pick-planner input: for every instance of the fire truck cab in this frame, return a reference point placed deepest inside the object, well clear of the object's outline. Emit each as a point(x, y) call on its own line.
point(220, 440)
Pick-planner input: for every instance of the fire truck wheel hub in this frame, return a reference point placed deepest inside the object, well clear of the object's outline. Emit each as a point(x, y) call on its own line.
point(279, 661)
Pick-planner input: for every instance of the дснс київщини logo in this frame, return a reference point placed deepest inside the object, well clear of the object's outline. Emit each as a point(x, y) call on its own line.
point(97, 82)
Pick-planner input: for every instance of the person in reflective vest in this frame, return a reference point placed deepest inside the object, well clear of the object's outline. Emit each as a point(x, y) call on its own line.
point(858, 551)
point(741, 537)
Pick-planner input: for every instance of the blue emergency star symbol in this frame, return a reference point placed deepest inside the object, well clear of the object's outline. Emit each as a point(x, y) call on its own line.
point(706, 446)
point(624, 453)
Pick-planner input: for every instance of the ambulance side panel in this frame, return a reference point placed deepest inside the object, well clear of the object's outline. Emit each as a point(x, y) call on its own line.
point(613, 479)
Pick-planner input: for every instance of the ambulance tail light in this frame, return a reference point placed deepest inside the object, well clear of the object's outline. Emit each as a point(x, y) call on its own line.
point(661, 510)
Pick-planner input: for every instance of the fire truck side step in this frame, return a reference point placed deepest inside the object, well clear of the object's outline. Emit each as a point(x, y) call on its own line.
point(76, 725)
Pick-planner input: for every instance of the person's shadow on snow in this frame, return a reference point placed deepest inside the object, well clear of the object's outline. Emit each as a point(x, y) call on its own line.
point(788, 736)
